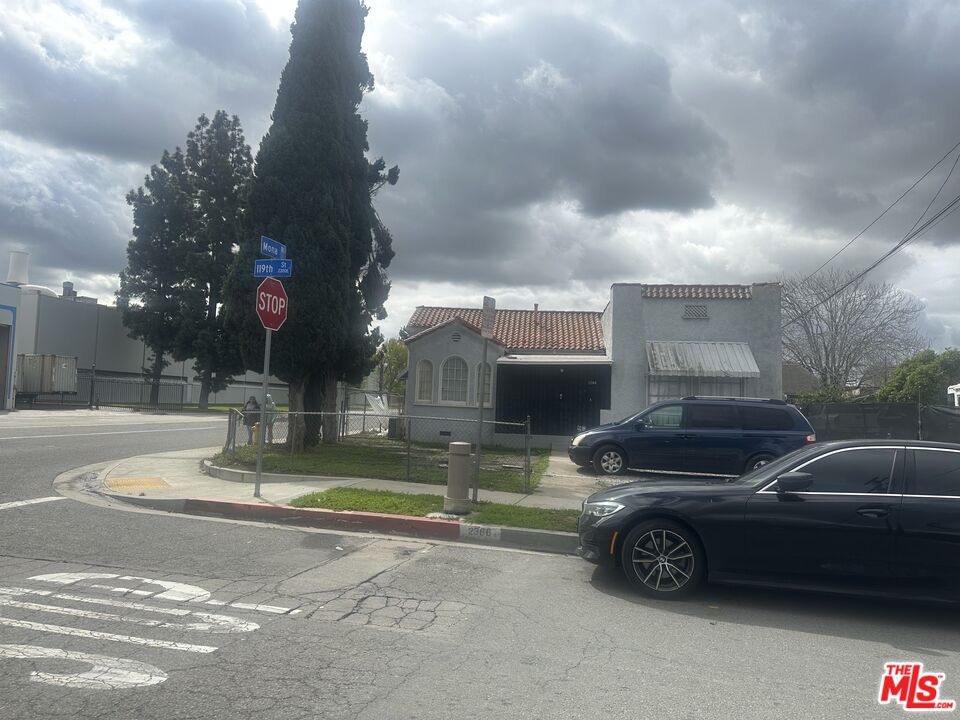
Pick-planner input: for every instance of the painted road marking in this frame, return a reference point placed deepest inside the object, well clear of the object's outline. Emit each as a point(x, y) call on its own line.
point(210, 623)
point(113, 432)
point(105, 673)
point(97, 635)
point(174, 591)
point(34, 501)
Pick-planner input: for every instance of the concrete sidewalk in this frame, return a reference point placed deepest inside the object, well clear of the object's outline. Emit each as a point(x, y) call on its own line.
point(177, 482)
point(180, 475)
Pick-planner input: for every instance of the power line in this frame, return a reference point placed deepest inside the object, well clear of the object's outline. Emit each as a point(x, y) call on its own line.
point(914, 233)
point(888, 209)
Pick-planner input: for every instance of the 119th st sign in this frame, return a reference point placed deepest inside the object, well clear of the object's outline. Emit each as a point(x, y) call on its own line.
point(272, 304)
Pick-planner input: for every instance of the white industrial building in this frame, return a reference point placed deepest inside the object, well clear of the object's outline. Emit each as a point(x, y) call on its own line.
point(36, 320)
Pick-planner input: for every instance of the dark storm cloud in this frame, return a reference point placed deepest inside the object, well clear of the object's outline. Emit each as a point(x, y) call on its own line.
point(133, 111)
point(557, 110)
point(832, 109)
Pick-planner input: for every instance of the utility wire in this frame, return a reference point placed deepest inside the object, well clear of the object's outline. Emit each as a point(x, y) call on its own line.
point(914, 233)
point(888, 209)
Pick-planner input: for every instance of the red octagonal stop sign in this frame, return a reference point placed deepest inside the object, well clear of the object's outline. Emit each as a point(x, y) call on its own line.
point(272, 304)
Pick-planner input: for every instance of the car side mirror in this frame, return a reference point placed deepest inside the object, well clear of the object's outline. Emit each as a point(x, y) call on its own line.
point(641, 424)
point(793, 482)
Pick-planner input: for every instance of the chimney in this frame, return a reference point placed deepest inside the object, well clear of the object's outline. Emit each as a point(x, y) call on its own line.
point(536, 306)
point(19, 262)
point(68, 292)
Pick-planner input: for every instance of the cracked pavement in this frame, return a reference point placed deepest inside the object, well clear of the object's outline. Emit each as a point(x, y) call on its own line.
point(275, 622)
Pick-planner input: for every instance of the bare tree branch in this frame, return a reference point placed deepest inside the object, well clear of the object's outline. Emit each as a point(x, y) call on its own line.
point(863, 329)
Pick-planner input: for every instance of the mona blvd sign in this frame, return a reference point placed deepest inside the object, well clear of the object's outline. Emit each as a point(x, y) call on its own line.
point(272, 304)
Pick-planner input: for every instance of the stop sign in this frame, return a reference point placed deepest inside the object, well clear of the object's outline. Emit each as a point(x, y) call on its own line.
point(272, 304)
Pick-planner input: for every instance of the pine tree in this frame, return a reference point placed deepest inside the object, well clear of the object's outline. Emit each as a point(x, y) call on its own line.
point(220, 166)
point(312, 191)
point(154, 294)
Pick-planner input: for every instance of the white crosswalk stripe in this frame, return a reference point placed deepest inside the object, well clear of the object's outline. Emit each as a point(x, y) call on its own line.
point(105, 672)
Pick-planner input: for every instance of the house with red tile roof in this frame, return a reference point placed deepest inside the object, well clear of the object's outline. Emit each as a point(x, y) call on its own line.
point(568, 370)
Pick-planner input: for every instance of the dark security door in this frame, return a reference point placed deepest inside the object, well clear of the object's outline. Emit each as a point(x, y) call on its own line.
point(843, 525)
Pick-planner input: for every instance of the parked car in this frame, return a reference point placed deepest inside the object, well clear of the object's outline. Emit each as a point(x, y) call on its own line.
point(724, 436)
point(869, 514)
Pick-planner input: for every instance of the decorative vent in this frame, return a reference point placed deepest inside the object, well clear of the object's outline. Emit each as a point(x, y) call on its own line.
point(695, 312)
point(455, 337)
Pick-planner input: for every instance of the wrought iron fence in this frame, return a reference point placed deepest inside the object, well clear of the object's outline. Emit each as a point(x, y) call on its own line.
point(391, 447)
point(101, 391)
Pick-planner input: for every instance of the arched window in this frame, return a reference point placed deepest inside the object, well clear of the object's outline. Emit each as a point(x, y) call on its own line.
point(486, 384)
point(453, 380)
point(425, 381)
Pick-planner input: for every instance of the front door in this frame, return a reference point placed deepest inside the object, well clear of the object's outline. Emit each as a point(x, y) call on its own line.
point(842, 526)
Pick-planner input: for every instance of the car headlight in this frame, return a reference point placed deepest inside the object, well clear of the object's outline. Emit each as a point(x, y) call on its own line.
point(577, 440)
point(602, 508)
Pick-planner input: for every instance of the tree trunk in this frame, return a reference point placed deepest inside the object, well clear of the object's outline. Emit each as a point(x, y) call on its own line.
point(330, 418)
point(156, 372)
point(204, 401)
point(312, 404)
point(295, 432)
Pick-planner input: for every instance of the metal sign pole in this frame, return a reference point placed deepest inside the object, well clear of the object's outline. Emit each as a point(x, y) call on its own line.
point(480, 394)
point(263, 411)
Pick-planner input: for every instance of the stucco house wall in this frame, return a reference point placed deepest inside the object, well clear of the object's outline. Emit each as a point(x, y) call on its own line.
point(449, 421)
point(637, 320)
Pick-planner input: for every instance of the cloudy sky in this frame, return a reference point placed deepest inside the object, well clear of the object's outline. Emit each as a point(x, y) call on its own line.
point(546, 149)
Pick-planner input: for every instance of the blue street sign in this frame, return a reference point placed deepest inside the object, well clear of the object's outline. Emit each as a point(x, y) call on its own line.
point(271, 248)
point(272, 268)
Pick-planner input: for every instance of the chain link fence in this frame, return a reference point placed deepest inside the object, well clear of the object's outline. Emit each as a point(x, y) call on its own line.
point(387, 446)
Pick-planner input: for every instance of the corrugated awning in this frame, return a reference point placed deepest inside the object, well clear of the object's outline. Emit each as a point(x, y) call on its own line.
point(702, 359)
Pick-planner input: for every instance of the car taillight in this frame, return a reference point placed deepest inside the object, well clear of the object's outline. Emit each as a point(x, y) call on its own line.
point(812, 438)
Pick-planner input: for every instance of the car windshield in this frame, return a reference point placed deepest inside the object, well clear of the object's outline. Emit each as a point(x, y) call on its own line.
point(773, 468)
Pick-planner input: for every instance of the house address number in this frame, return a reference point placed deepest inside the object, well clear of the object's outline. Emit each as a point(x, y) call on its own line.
point(479, 532)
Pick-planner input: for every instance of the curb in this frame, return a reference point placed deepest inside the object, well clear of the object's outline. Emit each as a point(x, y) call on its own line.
point(353, 521)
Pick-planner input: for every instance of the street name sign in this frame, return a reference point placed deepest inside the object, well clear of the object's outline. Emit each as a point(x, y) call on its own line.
point(271, 248)
point(273, 268)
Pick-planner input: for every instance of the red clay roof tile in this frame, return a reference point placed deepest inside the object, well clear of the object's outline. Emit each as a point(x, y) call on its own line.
point(526, 330)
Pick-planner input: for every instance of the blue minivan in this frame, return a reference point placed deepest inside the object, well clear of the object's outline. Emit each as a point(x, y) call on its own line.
point(722, 436)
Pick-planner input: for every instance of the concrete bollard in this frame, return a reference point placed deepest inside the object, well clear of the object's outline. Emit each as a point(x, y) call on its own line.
point(458, 477)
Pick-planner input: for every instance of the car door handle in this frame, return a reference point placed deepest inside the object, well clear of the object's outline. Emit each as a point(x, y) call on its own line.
point(687, 437)
point(873, 512)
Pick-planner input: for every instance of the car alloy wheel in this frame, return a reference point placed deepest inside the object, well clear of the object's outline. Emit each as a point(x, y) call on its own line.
point(758, 461)
point(609, 461)
point(663, 559)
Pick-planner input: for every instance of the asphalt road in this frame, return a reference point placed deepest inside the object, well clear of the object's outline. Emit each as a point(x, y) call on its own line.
point(106, 613)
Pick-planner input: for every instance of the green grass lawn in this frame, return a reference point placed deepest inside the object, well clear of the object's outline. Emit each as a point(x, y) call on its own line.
point(484, 513)
point(378, 457)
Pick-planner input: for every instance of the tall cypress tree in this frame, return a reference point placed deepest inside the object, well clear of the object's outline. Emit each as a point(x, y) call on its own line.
point(312, 191)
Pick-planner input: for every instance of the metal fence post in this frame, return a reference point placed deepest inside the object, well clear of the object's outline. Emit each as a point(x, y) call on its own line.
point(526, 455)
point(408, 447)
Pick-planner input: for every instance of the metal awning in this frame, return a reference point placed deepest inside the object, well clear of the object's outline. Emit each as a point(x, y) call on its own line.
point(569, 359)
point(702, 359)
